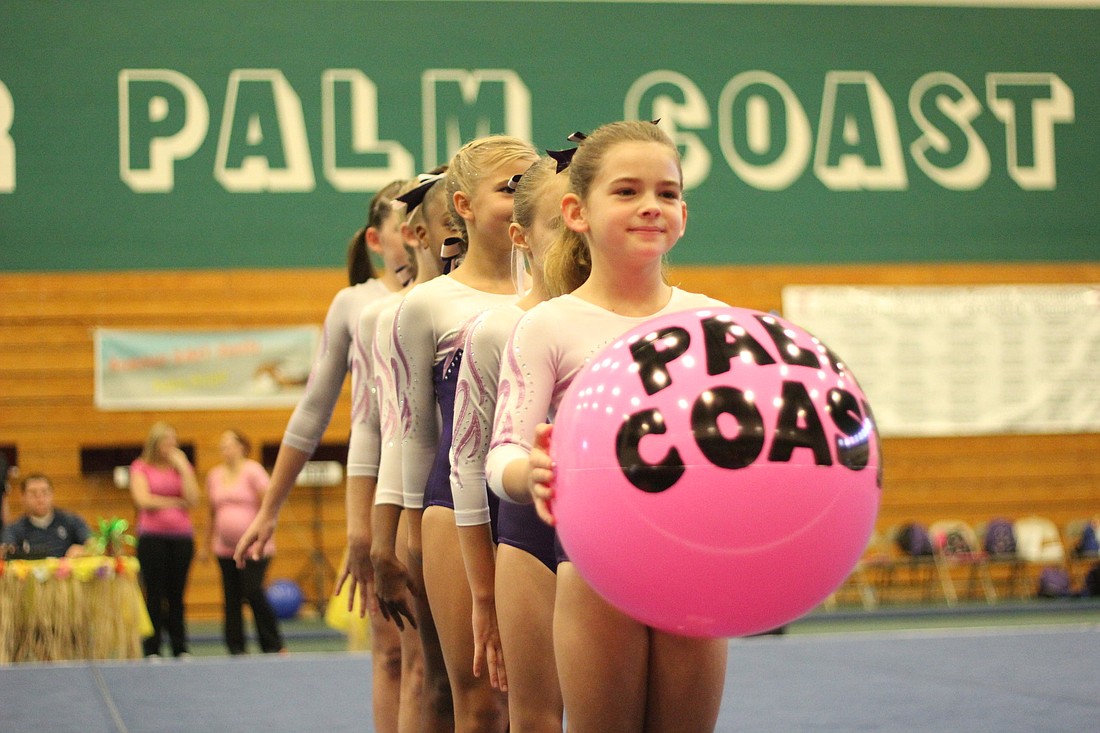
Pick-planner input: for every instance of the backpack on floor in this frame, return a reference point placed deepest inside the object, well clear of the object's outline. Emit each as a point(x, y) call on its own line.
point(1000, 538)
point(1053, 583)
point(913, 539)
point(1088, 544)
point(953, 542)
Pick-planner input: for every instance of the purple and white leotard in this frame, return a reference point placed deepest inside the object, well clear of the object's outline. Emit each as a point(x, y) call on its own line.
point(476, 396)
point(427, 338)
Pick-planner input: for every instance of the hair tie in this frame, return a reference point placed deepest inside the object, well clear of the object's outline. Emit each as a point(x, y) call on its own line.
point(451, 253)
point(513, 182)
point(405, 275)
point(564, 157)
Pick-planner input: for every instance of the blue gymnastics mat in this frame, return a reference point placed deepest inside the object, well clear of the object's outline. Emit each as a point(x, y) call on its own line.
point(1026, 679)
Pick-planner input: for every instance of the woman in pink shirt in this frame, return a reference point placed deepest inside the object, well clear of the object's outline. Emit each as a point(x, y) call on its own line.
point(164, 488)
point(235, 488)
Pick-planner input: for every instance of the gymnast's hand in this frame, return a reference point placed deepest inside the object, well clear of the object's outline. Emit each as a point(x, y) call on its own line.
point(393, 588)
point(359, 572)
point(540, 474)
point(255, 538)
point(488, 651)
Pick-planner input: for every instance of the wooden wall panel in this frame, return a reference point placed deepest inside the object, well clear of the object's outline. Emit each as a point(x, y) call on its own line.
point(47, 410)
point(46, 387)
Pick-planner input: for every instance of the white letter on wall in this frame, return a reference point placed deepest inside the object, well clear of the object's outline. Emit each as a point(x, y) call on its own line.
point(949, 150)
point(358, 96)
point(162, 118)
point(7, 144)
point(688, 109)
point(858, 143)
point(764, 97)
point(262, 145)
point(487, 101)
point(1030, 103)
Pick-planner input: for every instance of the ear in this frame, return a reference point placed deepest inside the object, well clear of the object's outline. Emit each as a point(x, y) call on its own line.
point(518, 235)
point(409, 235)
point(462, 205)
point(420, 235)
point(684, 218)
point(573, 214)
point(374, 244)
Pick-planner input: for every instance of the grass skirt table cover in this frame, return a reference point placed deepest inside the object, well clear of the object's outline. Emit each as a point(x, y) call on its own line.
point(79, 608)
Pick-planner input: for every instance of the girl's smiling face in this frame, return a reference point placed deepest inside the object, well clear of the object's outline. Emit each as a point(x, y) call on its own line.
point(635, 206)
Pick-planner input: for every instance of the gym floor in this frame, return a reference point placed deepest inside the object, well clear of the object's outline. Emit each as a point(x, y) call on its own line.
point(1026, 667)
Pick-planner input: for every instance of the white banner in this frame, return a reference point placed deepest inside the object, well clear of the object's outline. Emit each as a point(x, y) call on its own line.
point(195, 370)
point(937, 361)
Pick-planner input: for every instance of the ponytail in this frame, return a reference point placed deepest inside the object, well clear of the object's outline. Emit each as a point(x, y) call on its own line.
point(360, 268)
point(566, 263)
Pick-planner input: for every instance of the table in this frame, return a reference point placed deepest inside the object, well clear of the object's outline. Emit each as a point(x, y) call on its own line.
point(71, 608)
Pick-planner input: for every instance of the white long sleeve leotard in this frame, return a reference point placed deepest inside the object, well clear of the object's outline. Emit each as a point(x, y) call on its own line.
point(427, 331)
point(331, 364)
point(388, 490)
point(364, 446)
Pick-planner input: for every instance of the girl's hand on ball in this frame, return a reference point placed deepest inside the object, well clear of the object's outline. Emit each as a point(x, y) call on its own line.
point(541, 474)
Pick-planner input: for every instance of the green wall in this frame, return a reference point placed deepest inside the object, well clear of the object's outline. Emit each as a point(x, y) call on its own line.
point(196, 134)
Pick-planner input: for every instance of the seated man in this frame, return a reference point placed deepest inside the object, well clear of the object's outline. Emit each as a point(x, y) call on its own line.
point(44, 531)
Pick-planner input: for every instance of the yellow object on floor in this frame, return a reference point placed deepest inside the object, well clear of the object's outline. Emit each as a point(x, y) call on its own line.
point(337, 616)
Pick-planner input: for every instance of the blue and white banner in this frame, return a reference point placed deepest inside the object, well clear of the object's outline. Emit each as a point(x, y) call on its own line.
point(196, 370)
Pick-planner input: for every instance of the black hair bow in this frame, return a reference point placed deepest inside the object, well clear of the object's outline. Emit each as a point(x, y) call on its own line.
point(564, 157)
point(415, 197)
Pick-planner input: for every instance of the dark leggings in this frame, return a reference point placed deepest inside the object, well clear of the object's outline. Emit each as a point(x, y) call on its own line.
point(247, 584)
point(165, 562)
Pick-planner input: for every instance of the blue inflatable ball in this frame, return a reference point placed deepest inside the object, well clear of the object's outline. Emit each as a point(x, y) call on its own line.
point(285, 598)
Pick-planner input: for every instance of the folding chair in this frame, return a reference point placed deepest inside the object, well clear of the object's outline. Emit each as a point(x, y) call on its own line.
point(1083, 552)
point(901, 558)
point(1038, 545)
point(955, 544)
point(998, 538)
point(860, 577)
point(1075, 538)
